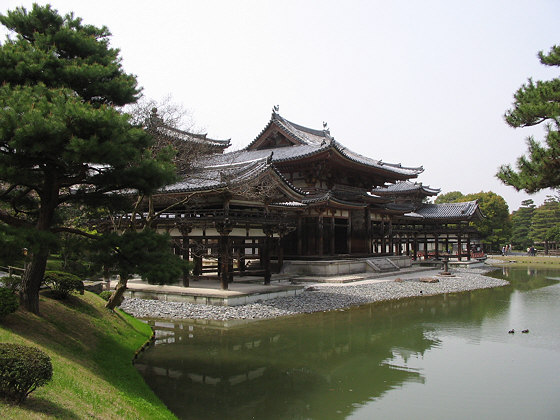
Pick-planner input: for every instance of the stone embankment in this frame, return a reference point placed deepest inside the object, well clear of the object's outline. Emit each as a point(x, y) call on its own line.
point(321, 297)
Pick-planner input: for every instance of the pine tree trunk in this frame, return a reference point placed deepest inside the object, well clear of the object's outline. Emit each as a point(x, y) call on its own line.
point(118, 295)
point(32, 279)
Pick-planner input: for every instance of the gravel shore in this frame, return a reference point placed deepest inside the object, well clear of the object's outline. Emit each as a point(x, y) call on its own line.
point(321, 297)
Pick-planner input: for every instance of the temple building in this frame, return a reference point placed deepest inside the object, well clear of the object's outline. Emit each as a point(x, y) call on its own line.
point(296, 194)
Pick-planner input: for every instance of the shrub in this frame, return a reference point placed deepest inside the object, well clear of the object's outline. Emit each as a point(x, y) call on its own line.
point(12, 282)
point(62, 283)
point(9, 301)
point(105, 294)
point(22, 370)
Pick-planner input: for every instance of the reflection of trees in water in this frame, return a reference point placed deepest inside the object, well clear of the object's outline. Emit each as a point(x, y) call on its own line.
point(528, 278)
point(295, 369)
point(319, 365)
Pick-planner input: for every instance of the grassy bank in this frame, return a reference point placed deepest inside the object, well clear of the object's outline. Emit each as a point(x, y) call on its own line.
point(553, 262)
point(91, 350)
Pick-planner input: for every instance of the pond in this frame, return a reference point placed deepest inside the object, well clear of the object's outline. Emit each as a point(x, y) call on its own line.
point(438, 357)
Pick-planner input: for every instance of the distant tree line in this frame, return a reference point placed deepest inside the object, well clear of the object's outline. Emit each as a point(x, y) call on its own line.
point(525, 227)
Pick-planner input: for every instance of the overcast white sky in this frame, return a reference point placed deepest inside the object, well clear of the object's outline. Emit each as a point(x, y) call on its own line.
point(412, 82)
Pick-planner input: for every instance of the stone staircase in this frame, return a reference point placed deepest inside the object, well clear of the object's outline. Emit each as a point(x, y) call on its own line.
point(381, 265)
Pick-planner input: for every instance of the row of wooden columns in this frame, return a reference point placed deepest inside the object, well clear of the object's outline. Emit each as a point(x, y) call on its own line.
point(411, 247)
point(192, 248)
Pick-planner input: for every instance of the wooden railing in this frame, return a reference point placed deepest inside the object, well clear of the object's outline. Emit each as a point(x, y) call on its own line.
point(11, 270)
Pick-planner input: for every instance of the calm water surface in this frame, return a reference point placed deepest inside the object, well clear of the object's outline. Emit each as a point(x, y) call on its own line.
point(438, 357)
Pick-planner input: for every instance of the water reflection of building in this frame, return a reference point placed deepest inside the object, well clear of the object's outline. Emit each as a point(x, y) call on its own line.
point(281, 366)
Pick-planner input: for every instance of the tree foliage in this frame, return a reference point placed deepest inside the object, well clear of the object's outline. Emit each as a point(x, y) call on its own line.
point(62, 141)
point(545, 222)
point(495, 227)
point(536, 103)
point(521, 220)
point(450, 197)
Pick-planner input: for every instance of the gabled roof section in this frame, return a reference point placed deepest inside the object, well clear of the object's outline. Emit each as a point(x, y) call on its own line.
point(157, 125)
point(452, 212)
point(192, 137)
point(406, 187)
point(307, 142)
point(388, 167)
point(295, 133)
point(231, 175)
point(330, 199)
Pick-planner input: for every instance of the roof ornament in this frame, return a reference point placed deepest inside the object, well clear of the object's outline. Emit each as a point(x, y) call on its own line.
point(154, 119)
point(275, 109)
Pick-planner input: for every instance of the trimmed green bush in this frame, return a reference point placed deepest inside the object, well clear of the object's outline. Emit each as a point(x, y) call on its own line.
point(12, 282)
point(62, 283)
point(9, 301)
point(22, 370)
point(105, 294)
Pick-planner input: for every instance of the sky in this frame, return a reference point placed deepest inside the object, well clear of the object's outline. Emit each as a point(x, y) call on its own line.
point(421, 83)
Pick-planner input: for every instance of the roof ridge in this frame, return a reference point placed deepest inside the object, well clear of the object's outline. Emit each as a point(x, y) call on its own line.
point(320, 133)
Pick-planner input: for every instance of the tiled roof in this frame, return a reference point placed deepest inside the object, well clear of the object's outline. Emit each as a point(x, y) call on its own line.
point(329, 197)
point(192, 137)
point(448, 211)
point(227, 174)
point(155, 122)
point(405, 187)
point(298, 133)
point(310, 141)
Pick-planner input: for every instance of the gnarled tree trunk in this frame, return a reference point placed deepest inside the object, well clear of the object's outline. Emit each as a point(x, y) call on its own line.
point(32, 279)
point(118, 295)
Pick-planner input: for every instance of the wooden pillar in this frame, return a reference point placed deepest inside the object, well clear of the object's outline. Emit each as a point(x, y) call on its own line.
point(224, 251)
point(436, 244)
point(230, 259)
point(425, 246)
point(459, 246)
point(223, 263)
point(407, 245)
point(367, 217)
point(320, 235)
point(185, 229)
point(349, 232)
point(332, 237)
point(415, 247)
point(299, 236)
point(280, 253)
point(383, 245)
point(186, 257)
point(266, 254)
point(197, 249)
point(468, 246)
point(241, 256)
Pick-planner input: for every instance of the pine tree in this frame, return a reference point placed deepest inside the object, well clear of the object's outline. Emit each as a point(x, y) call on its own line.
point(536, 103)
point(62, 141)
point(545, 220)
point(521, 225)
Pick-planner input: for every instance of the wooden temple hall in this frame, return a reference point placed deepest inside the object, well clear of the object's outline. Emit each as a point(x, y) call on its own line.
point(297, 194)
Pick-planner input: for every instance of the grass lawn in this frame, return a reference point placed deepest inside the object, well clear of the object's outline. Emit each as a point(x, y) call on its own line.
point(552, 262)
point(91, 349)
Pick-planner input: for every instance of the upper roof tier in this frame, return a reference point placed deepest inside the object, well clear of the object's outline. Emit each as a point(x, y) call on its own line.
point(289, 142)
point(157, 125)
point(468, 210)
point(405, 188)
